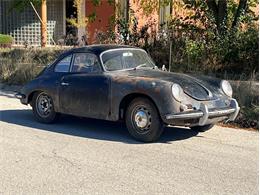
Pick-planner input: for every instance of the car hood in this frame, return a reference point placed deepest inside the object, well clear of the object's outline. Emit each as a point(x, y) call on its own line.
point(196, 86)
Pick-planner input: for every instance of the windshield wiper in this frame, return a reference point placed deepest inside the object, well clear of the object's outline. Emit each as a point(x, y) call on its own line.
point(139, 66)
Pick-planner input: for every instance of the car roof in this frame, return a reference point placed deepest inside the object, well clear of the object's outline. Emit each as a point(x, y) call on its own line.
point(98, 49)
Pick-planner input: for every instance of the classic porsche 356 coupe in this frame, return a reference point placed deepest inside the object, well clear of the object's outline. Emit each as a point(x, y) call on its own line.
point(113, 82)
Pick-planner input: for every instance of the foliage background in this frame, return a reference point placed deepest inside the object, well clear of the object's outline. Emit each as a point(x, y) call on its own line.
point(219, 42)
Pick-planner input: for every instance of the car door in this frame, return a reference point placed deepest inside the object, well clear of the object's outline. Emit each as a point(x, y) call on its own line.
point(50, 82)
point(85, 92)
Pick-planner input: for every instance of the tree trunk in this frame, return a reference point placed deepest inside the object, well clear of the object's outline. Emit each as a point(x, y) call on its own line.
point(214, 9)
point(127, 10)
point(241, 6)
point(44, 23)
point(219, 11)
point(222, 16)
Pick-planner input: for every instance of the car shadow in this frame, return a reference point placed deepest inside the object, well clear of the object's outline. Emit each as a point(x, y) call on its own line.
point(89, 128)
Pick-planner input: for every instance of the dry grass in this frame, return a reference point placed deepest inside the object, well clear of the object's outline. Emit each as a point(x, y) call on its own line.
point(247, 95)
point(18, 66)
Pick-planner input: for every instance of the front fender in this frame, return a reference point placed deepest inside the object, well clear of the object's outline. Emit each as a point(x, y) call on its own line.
point(157, 90)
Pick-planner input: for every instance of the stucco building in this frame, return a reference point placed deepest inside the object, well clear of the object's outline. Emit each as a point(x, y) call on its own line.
point(24, 26)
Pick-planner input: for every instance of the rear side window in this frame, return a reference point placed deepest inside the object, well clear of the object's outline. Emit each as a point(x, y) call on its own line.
point(63, 65)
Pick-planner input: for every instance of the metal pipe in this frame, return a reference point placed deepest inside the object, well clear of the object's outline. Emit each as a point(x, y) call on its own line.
point(42, 22)
point(170, 56)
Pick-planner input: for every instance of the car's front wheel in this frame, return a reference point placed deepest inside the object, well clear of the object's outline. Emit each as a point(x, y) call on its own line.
point(202, 128)
point(43, 108)
point(143, 121)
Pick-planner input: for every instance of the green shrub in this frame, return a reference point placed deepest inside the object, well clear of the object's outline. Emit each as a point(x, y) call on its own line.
point(234, 54)
point(5, 39)
point(194, 52)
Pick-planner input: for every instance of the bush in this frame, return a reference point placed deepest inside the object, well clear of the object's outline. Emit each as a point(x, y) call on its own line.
point(5, 39)
point(233, 56)
point(18, 66)
point(247, 95)
point(236, 52)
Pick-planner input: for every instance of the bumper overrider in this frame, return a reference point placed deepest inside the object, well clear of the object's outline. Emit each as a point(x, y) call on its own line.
point(21, 97)
point(207, 116)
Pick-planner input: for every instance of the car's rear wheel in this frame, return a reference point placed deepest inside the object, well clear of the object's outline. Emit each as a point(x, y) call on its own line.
point(43, 108)
point(202, 128)
point(143, 121)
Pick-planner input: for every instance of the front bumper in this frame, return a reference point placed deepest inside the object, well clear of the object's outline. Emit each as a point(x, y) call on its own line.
point(205, 115)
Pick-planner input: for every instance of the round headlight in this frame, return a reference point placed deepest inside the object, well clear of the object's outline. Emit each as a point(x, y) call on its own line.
point(226, 88)
point(177, 92)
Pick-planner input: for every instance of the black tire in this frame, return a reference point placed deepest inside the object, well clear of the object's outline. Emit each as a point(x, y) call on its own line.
point(202, 128)
point(142, 109)
point(47, 116)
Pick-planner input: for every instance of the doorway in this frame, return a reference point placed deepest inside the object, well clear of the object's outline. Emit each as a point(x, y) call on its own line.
point(71, 12)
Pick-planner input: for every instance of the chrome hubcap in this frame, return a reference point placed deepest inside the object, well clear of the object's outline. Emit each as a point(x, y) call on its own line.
point(44, 105)
point(141, 119)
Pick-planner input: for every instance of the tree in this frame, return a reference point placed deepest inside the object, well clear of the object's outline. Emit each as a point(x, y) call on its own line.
point(241, 7)
point(81, 20)
point(219, 9)
point(226, 13)
point(220, 13)
point(20, 5)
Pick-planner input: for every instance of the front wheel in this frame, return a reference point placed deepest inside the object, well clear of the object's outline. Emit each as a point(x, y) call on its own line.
point(143, 121)
point(202, 128)
point(43, 108)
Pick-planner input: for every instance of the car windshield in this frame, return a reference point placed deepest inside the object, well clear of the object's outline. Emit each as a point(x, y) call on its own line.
point(126, 59)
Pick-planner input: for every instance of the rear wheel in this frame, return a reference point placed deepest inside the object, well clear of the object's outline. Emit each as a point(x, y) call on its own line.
point(143, 121)
point(43, 108)
point(202, 128)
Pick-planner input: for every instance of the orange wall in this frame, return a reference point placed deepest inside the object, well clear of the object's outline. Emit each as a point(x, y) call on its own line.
point(101, 23)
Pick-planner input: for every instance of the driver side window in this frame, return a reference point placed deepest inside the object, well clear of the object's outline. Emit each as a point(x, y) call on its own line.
point(85, 62)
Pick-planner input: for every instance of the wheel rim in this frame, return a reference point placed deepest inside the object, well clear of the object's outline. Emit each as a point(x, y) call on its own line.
point(141, 118)
point(44, 105)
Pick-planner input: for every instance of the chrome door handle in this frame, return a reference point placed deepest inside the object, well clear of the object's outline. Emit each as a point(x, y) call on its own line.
point(64, 84)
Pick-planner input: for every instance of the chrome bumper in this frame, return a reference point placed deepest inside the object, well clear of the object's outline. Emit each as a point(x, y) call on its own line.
point(203, 114)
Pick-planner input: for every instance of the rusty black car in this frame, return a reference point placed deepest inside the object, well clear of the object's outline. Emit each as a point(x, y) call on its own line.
point(116, 83)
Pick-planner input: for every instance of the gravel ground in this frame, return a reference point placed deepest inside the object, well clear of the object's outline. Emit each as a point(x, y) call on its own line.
point(83, 156)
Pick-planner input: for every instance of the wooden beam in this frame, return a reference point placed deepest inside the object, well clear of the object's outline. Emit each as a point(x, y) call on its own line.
point(44, 23)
